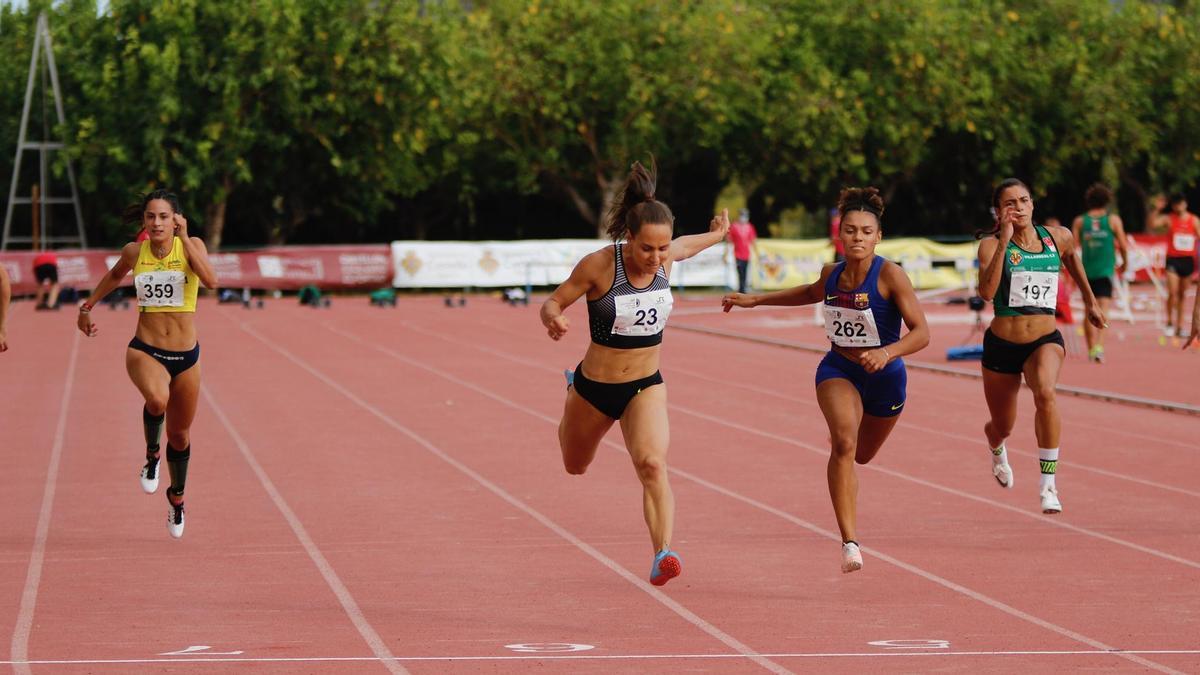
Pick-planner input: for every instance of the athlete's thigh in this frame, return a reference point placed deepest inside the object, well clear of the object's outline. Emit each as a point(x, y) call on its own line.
point(1042, 366)
point(1173, 281)
point(872, 432)
point(1000, 391)
point(645, 426)
point(185, 393)
point(841, 405)
point(582, 426)
point(148, 375)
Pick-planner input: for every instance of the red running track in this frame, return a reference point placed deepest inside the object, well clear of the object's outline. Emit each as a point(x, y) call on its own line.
point(380, 489)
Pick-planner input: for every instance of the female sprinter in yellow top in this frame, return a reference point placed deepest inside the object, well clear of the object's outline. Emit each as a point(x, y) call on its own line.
point(629, 301)
point(163, 356)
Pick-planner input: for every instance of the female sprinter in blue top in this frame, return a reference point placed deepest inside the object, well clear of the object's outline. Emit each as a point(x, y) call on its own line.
point(628, 302)
point(861, 381)
point(162, 359)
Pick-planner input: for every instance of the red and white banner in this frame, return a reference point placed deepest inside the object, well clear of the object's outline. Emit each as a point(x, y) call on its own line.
point(283, 268)
point(1147, 252)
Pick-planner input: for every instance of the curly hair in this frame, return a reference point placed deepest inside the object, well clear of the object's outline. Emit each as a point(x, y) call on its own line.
point(1098, 196)
point(860, 199)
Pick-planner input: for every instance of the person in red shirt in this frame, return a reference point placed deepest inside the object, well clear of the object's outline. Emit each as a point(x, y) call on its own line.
point(742, 236)
point(1183, 229)
point(835, 235)
point(45, 270)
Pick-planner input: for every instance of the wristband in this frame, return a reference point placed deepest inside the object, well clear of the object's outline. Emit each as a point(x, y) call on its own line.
point(86, 307)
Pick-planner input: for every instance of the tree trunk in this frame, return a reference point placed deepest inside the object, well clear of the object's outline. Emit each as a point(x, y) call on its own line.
point(608, 194)
point(577, 200)
point(214, 216)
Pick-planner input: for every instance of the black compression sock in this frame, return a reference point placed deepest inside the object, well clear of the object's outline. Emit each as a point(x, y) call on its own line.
point(177, 464)
point(152, 426)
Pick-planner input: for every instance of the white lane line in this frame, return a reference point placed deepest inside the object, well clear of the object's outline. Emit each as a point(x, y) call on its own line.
point(1027, 513)
point(728, 640)
point(991, 602)
point(974, 440)
point(625, 657)
point(33, 578)
point(1069, 421)
point(824, 452)
point(377, 645)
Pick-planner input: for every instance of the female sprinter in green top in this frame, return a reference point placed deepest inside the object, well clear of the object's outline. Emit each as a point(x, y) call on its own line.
point(1019, 264)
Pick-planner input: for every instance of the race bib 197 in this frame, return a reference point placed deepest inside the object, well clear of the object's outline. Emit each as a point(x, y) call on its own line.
point(1033, 289)
point(851, 327)
point(160, 288)
point(642, 313)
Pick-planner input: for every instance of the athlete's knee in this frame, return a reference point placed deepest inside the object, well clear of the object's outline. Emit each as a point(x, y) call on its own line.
point(844, 446)
point(1043, 396)
point(575, 467)
point(156, 405)
point(651, 469)
point(1002, 428)
point(179, 438)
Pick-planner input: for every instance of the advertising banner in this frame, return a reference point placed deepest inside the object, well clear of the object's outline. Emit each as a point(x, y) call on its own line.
point(278, 268)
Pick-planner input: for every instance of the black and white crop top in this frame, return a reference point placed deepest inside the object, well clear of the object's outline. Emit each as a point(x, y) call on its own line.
point(628, 317)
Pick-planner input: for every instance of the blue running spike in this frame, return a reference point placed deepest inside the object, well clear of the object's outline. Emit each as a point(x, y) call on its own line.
point(667, 565)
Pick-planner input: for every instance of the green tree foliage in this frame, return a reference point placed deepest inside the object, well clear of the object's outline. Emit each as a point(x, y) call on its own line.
point(355, 120)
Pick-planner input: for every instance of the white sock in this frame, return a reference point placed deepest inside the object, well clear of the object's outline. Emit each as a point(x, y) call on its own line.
point(1000, 454)
point(1049, 460)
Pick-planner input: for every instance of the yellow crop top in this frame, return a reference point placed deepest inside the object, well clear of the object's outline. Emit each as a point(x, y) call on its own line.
point(167, 284)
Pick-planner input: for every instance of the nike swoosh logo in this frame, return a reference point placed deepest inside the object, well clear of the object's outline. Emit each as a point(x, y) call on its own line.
point(897, 407)
point(831, 297)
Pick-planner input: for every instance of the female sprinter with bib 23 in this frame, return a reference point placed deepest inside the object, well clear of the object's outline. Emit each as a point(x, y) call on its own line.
point(861, 382)
point(162, 359)
point(1019, 264)
point(628, 303)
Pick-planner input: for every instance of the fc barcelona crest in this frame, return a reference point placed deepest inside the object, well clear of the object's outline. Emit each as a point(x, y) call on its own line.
point(1014, 257)
point(862, 300)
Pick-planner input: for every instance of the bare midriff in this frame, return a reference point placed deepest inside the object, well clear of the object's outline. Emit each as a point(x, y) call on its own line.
point(1022, 329)
point(609, 365)
point(172, 331)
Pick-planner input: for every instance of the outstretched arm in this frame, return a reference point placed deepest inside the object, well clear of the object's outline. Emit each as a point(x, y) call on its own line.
point(689, 245)
point(806, 294)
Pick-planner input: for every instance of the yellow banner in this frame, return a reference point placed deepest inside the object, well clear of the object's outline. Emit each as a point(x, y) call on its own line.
point(787, 263)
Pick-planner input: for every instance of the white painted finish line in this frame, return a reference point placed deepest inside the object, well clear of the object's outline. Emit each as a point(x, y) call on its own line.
point(887, 653)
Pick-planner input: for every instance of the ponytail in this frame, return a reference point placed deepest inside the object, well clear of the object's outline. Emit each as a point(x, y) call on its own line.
point(636, 205)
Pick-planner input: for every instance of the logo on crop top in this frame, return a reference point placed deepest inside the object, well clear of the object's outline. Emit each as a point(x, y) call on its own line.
point(1014, 257)
point(862, 300)
point(1049, 242)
